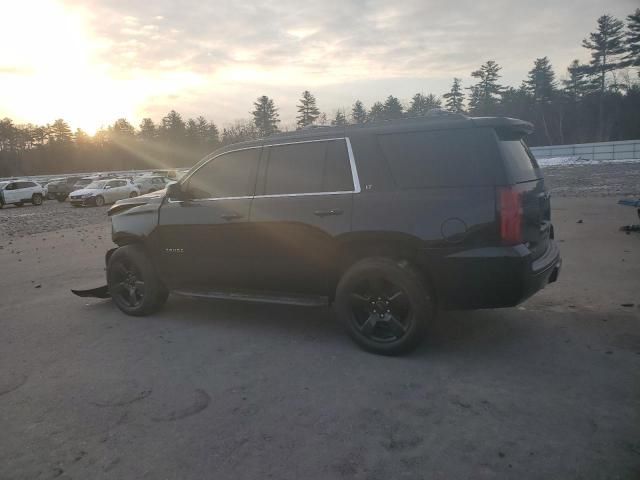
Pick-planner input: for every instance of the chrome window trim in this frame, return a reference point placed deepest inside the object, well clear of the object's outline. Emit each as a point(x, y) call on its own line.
point(352, 164)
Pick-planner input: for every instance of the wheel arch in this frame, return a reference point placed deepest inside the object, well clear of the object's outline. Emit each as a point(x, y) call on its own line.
point(398, 246)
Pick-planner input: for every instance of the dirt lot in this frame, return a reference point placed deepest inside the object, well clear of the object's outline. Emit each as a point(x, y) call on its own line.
point(223, 390)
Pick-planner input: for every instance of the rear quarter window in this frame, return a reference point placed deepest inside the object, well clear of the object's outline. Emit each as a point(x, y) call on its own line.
point(519, 162)
point(440, 158)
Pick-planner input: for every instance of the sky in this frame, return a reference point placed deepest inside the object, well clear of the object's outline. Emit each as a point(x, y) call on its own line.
point(93, 61)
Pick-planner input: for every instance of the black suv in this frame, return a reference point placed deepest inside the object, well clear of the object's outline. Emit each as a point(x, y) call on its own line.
point(386, 221)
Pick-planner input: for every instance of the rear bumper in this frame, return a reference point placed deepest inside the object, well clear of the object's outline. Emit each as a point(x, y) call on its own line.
point(495, 277)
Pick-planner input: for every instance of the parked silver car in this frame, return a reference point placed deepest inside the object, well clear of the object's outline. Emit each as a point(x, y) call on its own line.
point(100, 192)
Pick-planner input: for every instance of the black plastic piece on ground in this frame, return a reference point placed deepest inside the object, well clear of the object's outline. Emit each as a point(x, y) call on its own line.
point(100, 292)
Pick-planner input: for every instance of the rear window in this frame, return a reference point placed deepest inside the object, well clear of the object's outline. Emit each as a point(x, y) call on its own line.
point(440, 158)
point(519, 162)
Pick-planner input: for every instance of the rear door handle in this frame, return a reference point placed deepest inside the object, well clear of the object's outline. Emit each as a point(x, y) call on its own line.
point(231, 216)
point(326, 213)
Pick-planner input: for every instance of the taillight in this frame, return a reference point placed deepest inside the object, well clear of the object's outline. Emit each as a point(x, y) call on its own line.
point(510, 211)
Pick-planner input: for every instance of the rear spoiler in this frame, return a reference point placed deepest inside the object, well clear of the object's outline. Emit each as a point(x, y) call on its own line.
point(507, 128)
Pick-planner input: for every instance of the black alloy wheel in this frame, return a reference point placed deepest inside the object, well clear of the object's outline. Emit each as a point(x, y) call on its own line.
point(127, 287)
point(385, 305)
point(380, 310)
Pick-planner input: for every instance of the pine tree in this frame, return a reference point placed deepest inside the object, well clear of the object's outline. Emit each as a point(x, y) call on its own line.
point(358, 113)
point(207, 132)
point(541, 82)
point(308, 111)
point(392, 108)
point(606, 46)
point(265, 116)
point(340, 119)
point(80, 137)
point(431, 102)
point(322, 119)
point(421, 104)
point(541, 86)
point(484, 94)
point(632, 40)
point(148, 130)
point(376, 114)
point(417, 107)
point(577, 85)
point(173, 127)
point(121, 129)
point(455, 97)
point(60, 131)
point(191, 132)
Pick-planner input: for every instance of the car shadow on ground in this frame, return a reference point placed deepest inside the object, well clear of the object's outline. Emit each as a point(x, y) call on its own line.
point(479, 330)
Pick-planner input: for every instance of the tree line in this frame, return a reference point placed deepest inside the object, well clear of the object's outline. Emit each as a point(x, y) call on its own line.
point(597, 101)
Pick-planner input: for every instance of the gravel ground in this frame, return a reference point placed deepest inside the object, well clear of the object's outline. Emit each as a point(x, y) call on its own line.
point(50, 217)
point(621, 179)
point(564, 181)
point(228, 390)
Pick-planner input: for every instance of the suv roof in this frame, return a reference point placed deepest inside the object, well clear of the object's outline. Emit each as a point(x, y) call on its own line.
point(433, 121)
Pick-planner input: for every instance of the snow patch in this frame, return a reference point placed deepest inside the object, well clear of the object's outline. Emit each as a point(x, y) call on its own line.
point(577, 160)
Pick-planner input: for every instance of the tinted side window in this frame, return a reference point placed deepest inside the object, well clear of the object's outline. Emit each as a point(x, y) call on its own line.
point(440, 158)
point(338, 176)
point(519, 162)
point(232, 174)
point(309, 167)
point(295, 168)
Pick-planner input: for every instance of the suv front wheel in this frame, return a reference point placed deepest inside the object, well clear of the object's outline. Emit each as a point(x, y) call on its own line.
point(133, 282)
point(385, 305)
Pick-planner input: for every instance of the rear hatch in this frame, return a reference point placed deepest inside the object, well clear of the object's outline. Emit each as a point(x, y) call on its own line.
point(527, 191)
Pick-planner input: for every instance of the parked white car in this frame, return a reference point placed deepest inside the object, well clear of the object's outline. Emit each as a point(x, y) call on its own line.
point(19, 192)
point(151, 183)
point(100, 192)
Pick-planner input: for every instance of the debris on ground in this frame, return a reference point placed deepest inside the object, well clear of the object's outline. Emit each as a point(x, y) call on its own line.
point(630, 203)
point(630, 228)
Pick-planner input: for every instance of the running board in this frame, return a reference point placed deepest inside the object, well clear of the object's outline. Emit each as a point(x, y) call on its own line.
point(284, 299)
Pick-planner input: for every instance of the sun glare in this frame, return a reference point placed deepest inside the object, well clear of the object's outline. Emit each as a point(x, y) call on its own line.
point(54, 67)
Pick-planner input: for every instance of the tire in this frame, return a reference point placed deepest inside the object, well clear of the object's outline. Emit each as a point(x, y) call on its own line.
point(133, 195)
point(133, 282)
point(99, 201)
point(36, 199)
point(385, 305)
point(61, 197)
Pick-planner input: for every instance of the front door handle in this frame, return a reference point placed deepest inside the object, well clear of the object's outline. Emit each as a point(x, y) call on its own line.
point(231, 216)
point(326, 213)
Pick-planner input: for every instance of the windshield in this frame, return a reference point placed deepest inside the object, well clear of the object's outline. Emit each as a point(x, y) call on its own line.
point(83, 183)
point(3, 184)
point(97, 185)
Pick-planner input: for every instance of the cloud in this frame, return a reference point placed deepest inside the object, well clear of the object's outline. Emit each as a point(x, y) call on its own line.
point(240, 50)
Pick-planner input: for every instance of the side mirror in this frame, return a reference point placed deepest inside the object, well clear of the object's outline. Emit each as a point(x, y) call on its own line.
point(107, 187)
point(175, 192)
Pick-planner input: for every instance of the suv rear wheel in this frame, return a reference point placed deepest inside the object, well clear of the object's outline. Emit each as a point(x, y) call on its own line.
point(133, 283)
point(385, 305)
